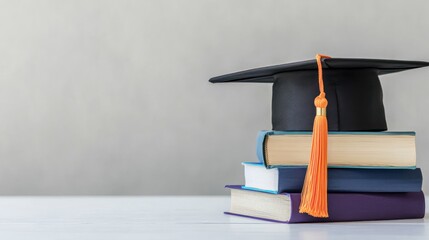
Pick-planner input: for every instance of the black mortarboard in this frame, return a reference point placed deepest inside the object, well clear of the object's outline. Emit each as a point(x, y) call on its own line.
point(352, 88)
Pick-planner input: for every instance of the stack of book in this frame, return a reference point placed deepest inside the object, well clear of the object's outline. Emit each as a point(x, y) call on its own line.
point(371, 176)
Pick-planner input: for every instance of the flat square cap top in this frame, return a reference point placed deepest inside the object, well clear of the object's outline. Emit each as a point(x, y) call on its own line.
point(266, 74)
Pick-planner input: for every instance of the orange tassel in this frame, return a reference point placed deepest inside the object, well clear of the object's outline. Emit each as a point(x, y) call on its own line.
point(314, 196)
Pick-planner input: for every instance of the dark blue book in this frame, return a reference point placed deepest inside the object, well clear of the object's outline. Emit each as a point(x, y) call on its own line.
point(291, 179)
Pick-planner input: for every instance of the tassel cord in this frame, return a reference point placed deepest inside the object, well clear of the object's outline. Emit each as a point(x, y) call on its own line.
point(314, 199)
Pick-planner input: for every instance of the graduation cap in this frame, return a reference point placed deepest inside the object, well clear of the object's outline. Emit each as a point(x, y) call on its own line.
point(353, 90)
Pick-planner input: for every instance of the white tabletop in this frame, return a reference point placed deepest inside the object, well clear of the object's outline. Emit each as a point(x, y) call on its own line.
point(172, 218)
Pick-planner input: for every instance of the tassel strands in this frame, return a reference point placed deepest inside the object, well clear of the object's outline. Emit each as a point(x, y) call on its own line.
point(314, 196)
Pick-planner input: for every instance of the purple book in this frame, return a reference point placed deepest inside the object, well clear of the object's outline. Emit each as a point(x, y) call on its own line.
point(342, 206)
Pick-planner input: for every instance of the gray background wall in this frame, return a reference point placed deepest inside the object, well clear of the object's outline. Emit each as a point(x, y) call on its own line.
point(111, 97)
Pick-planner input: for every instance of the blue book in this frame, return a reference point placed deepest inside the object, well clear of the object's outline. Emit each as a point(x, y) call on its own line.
point(291, 179)
point(345, 149)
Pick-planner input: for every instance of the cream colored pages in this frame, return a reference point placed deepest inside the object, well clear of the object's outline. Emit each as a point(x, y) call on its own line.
point(344, 150)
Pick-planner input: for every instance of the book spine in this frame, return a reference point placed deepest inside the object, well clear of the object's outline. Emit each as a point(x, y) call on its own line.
point(365, 206)
point(260, 146)
point(356, 180)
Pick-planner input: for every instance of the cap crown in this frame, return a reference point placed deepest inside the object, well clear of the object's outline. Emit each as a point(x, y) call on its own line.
point(355, 100)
